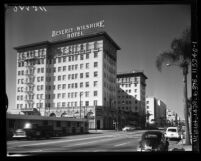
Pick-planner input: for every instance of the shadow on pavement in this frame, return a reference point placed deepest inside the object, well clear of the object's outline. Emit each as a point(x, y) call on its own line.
point(177, 149)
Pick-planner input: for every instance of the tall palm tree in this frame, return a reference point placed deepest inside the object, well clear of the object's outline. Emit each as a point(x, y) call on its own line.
point(179, 55)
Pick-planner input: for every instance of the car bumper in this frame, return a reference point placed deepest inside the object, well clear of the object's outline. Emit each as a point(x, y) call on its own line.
point(19, 136)
point(172, 136)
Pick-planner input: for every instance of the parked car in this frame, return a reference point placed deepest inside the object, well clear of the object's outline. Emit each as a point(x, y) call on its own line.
point(172, 133)
point(128, 128)
point(30, 131)
point(19, 134)
point(153, 141)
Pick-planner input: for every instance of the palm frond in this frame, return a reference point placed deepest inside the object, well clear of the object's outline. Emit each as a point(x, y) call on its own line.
point(182, 48)
point(166, 57)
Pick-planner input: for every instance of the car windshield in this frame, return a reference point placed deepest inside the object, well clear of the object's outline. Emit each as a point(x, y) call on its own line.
point(172, 130)
point(151, 136)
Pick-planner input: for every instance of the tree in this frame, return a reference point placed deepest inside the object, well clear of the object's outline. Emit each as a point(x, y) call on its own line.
point(179, 55)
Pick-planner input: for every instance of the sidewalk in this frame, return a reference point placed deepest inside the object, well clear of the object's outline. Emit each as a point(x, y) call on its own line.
point(181, 146)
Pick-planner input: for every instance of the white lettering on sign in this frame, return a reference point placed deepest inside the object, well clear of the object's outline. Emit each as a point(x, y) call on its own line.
point(77, 31)
point(28, 8)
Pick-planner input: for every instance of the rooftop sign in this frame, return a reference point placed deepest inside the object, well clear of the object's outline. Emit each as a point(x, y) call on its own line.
point(77, 31)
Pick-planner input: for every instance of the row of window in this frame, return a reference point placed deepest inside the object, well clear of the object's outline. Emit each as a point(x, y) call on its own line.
point(127, 108)
point(58, 95)
point(128, 79)
point(122, 96)
point(126, 102)
point(28, 54)
point(58, 104)
point(59, 69)
point(57, 60)
point(59, 78)
point(58, 87)
point(63, 49)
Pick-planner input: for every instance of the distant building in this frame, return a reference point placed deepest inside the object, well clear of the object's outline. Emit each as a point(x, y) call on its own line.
point(131, 95)
point(72, 78)
point(172, 117)
point(155, 112)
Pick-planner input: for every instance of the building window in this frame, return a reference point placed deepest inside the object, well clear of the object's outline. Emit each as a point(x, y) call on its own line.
point(95, 83)
point(64, 68)
point(95, 102)
point(69, 68)
point(81, 66)
point(59, 69)
point(95, 64)
point(81, 85)
point(87, 84)
point(59, 78)
point(95, 93)
point(147, 107)
point(64, 77)
point(58, 95)
point(64, 86)
point(81, 75)
point(95, 74)
point(87, 56)
point(42, 70)
point(87, 65)
point(86, 103)
point(87, 75)
point(95, 54)
point(59, 60)
point(81, 57)
point(87, 94)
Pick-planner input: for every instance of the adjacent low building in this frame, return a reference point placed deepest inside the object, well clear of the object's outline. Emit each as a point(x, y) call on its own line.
point(131, 97)
point(155, 112)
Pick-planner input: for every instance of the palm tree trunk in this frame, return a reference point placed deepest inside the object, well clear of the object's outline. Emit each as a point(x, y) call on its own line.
point(185, 71)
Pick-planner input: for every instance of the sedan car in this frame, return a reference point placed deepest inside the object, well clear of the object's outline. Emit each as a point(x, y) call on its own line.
point(172, 133)
point(19, 134)
point(128, 128)
point(153, 141)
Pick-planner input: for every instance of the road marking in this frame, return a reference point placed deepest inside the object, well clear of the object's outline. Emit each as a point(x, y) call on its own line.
point(121, 144)
point(90, 142)
point(36, 144)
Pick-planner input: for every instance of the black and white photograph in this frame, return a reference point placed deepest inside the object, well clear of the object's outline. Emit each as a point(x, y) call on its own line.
point(100, 78)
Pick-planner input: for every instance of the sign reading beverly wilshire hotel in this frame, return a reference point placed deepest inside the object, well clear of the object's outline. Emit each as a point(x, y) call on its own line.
point(73, 77)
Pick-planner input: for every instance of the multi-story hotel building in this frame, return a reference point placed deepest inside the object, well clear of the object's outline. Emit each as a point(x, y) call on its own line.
point(131, 95)
point(155, 111)
point(72, 78)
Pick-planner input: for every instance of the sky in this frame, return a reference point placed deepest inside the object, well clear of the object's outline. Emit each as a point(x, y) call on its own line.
point(141, 31)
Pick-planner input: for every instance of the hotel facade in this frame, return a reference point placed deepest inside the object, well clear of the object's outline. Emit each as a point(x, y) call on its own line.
point(74, 78)
point(131, 96)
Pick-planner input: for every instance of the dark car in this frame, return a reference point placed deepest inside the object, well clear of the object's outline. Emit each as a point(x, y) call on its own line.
point(153, 141)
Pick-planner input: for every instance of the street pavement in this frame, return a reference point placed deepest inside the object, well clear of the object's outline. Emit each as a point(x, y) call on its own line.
point(97, 141)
